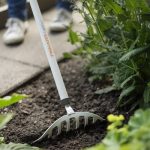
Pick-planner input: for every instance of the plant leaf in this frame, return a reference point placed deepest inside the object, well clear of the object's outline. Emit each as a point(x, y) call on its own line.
point(73, 37)
point(126, 92)
point(9, 100)
point(147, 95)
point(140, 118)
point(13, 146)
point(115, 7)
point(134, 52)
point(2, 140)
point(127, 80)
point(67, 55)
point(106, 90)
point(4, 119)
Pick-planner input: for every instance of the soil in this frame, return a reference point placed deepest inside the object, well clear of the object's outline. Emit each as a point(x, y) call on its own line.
point(35, 114)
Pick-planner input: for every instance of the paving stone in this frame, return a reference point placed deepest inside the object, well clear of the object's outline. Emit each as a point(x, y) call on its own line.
point(21, 63)
point(13, 74)
point(31, 51)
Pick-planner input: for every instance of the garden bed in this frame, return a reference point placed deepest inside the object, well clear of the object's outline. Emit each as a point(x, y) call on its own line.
point(35, 115)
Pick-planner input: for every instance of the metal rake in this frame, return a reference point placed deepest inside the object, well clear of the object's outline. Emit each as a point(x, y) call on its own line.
point(66, 122)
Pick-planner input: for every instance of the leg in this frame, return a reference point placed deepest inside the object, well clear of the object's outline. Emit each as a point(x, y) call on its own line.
point(16, 25)
point(17, 9)
point(63, 18)
point(66, 4)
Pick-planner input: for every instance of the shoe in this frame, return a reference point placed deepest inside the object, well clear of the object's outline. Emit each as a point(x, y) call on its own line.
point(62, 21)
point(15, 32)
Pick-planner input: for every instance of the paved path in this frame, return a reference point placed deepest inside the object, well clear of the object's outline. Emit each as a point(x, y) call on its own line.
point(21, 63)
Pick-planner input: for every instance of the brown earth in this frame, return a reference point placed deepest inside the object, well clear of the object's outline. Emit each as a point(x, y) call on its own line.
point(37, 113)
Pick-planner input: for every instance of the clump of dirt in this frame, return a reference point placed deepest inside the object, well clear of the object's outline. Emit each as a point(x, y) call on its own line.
point(37, 113)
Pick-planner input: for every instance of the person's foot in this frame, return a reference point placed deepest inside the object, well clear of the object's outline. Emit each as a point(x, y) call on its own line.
point(62, 21)
point(15, 32)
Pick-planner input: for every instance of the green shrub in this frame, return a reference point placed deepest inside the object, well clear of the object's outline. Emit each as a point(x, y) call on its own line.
point(117, 46)
point(133, 136)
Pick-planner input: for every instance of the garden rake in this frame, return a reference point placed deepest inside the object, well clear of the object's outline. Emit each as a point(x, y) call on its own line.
point(71, 115)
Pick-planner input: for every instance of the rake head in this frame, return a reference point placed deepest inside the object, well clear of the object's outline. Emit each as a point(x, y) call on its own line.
point(70, 122)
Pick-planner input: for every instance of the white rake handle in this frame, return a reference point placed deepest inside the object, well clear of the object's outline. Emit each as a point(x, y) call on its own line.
point(49, 50)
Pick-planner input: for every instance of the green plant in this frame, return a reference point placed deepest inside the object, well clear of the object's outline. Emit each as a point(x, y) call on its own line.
point(4, 102)
point(133, 136)
point(9, 100)
point(116, 45)
point(5, 118)
point(12, 146)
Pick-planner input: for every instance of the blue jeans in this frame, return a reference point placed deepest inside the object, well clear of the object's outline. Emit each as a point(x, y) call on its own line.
point(17, 8)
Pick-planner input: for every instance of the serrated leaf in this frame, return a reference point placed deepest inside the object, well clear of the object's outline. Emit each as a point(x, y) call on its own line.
point(4, 119)
point(134, 53)
point(128, 101)
point(73, 37)
point(2, 140)
point(88, 20)
point(138, 4)
point(115, 7)
point(105, 90)
point(104, 24)
point(9, 100)
point(101, 70)
point(147, 95)
point(126, 92)
point(127, 80)
point(94, 78)
point(13, 146)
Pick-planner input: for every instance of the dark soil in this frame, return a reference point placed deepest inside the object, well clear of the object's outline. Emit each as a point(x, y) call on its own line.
point(37, 113)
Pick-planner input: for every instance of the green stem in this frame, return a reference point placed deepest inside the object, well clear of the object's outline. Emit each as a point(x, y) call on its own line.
point(123, 39)
point(97, 26)
point(129, 67)
point(136, 70)
point(105, 11)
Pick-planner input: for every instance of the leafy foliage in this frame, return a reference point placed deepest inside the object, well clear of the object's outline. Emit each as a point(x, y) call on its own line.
point(116, 45)
point(12, 146)
point(9, 100)
point(134, 136)
point(5, 118)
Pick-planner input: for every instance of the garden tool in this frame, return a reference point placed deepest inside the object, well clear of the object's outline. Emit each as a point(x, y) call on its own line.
point(65, 100)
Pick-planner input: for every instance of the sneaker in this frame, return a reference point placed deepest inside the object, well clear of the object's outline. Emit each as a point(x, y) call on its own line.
point(62, 21)
point(15, 32)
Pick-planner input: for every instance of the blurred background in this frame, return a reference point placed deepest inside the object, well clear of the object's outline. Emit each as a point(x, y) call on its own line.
point(44, 6)
point(18, 62)
point(2, 2)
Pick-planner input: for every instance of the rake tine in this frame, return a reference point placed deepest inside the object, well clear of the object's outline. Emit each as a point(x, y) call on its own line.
point(94, 120)
point(86, 121)
point(66, 119)
point(77, 122)
point(50, 133)
point(59, 129)
point(68, 125)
